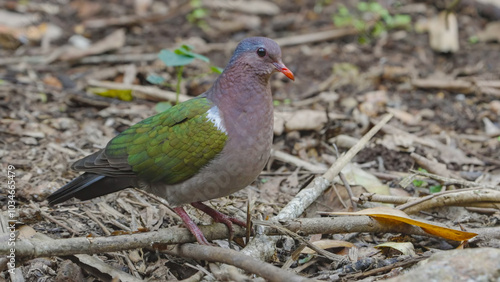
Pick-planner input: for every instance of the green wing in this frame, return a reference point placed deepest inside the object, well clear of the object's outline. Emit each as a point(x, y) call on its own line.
point(169, 147)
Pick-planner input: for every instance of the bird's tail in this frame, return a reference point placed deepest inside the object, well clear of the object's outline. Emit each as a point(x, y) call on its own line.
point(88, 186)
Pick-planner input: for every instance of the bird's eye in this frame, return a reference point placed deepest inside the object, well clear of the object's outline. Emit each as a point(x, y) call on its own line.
point(261, 52)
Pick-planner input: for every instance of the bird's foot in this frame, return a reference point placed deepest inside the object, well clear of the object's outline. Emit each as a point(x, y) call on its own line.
point(191, 226)
point(220, 217)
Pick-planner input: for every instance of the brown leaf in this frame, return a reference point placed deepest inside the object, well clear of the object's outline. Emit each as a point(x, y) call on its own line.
point(328, 244)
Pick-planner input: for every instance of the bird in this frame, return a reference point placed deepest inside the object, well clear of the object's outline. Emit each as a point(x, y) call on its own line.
point(204, 148)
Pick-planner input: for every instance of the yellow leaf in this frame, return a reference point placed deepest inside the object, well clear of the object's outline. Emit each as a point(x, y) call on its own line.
point(396, 215)
point(122, 94)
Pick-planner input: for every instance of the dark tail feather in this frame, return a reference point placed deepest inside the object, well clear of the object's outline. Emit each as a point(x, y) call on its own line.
point(88, 186)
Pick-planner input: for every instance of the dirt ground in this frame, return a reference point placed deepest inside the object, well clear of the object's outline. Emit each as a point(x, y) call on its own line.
point(441, 148)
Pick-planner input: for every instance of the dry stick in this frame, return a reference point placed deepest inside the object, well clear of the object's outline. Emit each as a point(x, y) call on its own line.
point(140, 91)
point(33, 248)
point(316, 37)
point(458, 197)
point(481, 204)
point(238, 259)
point(453, 180)
point(49, 217)
point(307, 196)
point(346, 183)
point(298, 162)
point(96, 220)
point(389, 199)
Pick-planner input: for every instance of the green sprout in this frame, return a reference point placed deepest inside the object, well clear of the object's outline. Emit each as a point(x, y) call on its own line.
point(422, 183)
point(384, 21)
point(178, 59)
point(198, 14)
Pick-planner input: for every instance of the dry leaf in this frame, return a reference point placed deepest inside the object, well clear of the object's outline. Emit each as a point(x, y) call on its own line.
point(399, 216)
point(358, 176)
point(406, 248)
point(490, 33)
point(328, 244)
point(443, 33)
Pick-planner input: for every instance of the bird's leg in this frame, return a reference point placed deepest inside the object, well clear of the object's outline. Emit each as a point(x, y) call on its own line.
point(191, 226)
point(220, 217)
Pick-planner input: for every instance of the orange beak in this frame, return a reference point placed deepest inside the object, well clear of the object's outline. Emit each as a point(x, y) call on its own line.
point(283, 69)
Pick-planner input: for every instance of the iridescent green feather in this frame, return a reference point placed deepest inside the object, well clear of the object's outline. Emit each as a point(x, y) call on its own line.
point(172, 146)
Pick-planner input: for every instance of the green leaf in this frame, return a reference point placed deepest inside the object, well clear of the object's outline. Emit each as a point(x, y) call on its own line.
point(473, 39)
point(343, 11)
point(155, 79)
point(435, 188)
point(162, 106)
point(401, 20)
point(363, 6)
point(216, 69)
point(172, 59)
point(418, 183)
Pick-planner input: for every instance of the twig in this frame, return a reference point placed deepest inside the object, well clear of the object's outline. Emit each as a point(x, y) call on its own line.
point(432, 166)
point(316, 36)
point(119, 58)
point(232, 257)
point(94, 218)
point(287, 158)
point(451, 85)
point(453, 198)
point(345, 182)
point(449, 181)
point(50, 218)
point(140, 91)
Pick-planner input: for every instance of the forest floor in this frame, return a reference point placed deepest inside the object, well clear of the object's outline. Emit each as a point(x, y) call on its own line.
point(73, 74)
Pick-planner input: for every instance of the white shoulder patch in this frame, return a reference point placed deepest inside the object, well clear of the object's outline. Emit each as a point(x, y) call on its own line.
point(213, 115)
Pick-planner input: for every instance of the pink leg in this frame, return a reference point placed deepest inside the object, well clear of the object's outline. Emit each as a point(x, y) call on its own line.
point(219, 217)
point(191, 226)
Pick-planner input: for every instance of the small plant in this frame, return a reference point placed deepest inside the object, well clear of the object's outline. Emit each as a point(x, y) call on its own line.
point(421, 183)
point(178, 59)
point(197, 15)
point(383, 20)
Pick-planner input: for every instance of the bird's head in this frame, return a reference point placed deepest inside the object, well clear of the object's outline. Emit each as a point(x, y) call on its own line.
point(261, 55)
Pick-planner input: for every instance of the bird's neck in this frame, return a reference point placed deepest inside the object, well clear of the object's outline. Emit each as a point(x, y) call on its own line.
point(238, 88)
point(243, 98)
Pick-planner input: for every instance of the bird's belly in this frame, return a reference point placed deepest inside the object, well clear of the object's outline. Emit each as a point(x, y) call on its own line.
point(226, 174)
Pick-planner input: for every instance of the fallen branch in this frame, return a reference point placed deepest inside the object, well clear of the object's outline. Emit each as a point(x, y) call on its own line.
point(232, 257)
point(33, 248)
point(462, 197)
